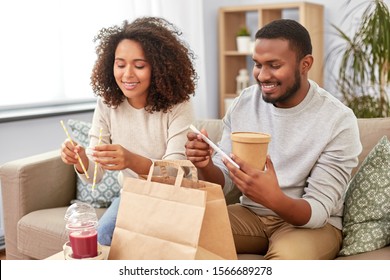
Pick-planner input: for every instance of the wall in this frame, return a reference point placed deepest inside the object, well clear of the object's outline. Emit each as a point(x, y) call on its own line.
point(29, 137)
point(334, 13)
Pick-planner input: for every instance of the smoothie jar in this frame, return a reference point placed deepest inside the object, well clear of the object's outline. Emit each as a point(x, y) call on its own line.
point(81, 225)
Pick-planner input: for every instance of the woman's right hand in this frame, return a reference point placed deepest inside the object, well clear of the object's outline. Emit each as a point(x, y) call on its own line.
point(197, 150)
point(69, 155)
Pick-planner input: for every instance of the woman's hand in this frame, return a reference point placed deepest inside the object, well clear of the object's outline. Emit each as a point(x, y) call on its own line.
point(112, 156)
point(69, 155)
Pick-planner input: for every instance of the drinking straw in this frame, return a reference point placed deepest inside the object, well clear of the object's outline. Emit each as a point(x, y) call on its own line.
point(71, 141)
point(96, 164)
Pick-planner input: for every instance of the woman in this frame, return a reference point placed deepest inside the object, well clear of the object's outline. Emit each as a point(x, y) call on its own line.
point(144, 77)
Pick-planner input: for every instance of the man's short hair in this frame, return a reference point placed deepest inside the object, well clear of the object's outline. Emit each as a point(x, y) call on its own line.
point(290, 30)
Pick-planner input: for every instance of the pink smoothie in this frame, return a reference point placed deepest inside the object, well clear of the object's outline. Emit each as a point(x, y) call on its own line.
point(84, 244)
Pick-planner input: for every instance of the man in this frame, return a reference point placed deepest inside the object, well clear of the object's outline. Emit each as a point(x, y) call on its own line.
point(293, 209)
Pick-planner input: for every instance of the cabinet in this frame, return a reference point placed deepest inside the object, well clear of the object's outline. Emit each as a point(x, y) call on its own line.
point(255, 16)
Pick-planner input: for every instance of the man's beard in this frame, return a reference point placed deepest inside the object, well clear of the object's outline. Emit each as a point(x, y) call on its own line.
point(290, 92)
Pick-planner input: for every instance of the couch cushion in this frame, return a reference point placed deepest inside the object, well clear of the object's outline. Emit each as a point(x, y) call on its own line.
point(366, 223)
point(380, 254)
point(42, 233)
point(108, 188)
point(212, 126)
point(371, 130)
point(249, 257)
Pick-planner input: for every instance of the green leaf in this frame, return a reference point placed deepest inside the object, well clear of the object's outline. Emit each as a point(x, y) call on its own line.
point(365, 60)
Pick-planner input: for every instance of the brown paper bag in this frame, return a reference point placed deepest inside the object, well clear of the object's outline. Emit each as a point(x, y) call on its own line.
point(165, 217)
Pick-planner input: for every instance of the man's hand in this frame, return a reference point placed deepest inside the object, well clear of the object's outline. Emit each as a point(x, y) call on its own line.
point(263, 187)
point(260, 186)
point(198, 151)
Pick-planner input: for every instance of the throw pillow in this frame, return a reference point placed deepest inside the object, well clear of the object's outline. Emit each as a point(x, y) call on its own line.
point(366, 223)
point(108, 188)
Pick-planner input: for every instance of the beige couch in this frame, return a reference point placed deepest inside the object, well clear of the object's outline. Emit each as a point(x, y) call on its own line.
point(37, 190)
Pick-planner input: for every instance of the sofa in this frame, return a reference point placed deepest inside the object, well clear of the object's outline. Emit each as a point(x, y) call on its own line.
point(37, 191)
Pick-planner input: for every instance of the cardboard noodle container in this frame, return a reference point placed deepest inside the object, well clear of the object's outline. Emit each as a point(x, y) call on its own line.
point(252, 147)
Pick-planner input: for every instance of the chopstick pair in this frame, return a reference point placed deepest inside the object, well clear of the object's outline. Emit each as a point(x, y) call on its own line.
point(80, 161)
point(71, 141)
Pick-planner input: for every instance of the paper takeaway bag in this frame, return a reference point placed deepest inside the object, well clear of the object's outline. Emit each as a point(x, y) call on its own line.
point(166, 217)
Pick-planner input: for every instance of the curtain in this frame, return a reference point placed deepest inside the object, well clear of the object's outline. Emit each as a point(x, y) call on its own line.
point(188, 16)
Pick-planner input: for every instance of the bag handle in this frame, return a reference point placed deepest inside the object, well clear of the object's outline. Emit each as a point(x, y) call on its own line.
point(186, 163)
point(177, 164)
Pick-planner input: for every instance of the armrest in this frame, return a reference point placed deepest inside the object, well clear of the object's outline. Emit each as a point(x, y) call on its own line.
point(37, 182)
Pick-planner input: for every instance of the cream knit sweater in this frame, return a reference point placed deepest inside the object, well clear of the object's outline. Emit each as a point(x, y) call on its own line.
point(314, 148)
point(155, 136)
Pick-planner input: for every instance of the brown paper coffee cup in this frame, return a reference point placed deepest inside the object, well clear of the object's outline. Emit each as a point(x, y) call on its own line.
point(252, 147)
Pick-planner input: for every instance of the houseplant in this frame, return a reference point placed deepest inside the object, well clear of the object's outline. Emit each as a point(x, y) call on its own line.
point(243, 39)
point(364, 73)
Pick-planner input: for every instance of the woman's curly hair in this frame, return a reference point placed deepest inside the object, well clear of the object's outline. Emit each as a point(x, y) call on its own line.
point(173, 77)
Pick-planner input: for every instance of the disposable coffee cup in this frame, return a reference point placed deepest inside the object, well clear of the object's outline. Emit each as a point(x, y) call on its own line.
point(251, 147)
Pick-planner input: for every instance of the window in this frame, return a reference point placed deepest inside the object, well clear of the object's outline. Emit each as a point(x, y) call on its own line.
point(47, 51)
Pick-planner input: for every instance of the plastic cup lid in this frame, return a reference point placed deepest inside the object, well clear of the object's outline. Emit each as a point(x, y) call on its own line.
point(251, 137)
point(80, 215)
point(79, 207)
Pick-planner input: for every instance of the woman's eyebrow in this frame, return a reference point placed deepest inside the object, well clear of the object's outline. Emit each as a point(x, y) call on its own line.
point(135, 60)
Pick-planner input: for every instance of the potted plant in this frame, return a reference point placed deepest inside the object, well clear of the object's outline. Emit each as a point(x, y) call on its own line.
point(243, 39)
point(364, 73)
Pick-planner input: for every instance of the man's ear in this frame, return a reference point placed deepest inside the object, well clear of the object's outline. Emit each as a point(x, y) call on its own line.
point(306, 63)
